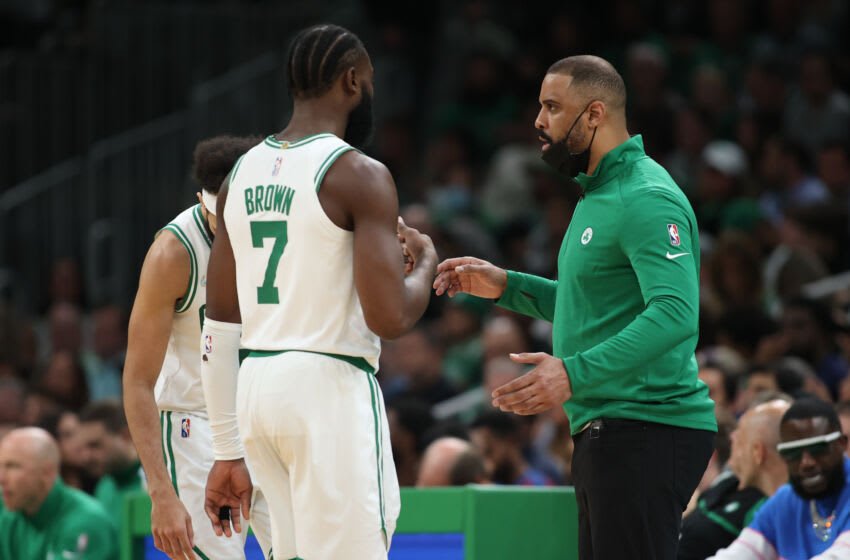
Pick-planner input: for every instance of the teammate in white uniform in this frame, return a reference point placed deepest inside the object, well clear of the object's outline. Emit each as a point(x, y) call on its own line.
point(307, 258)
point(163, 396)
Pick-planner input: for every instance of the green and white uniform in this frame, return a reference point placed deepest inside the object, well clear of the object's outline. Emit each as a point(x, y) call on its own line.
point(310, 411)
point(179, 385)
point(70, 525)
point(186, 436)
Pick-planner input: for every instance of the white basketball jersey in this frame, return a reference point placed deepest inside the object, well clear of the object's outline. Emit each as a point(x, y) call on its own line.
point(179, 384)
point(294, 266)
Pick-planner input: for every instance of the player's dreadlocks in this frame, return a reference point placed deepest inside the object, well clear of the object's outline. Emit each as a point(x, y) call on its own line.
point(318, 56)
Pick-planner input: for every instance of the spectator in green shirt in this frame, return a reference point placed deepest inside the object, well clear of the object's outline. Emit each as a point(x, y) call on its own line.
point(624, 310)
point(43, 518)
point(110, 454)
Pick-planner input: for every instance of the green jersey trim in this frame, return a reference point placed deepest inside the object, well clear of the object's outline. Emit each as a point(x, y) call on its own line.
point(235, 168)
point(200, 553)
point(162, 438)
point(379, 452)
point(357, 361)
point(275, 143)
point(168, 450)
point(326, 165)
point(199, 221)
point(186, 301)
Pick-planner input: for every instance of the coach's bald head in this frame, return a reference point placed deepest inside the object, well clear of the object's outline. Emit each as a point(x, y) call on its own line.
point(29, 467)
point(438, 461)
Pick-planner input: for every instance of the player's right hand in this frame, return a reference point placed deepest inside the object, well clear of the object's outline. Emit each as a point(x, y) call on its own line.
point(414, 243)
point(229, 488)
point(472, 276)
point(171, 526)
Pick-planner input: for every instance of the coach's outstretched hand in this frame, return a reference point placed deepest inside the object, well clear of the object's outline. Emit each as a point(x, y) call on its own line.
point(228, 495)
point(543, 388)
point(472, 276)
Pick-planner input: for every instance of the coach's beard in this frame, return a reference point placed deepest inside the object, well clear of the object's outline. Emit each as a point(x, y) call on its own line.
point(558, 154)
point(361, 122)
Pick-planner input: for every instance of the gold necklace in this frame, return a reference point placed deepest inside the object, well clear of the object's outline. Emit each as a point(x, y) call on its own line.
point(821, 526)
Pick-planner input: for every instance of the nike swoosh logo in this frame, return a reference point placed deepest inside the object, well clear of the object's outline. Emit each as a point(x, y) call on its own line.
point(676, 256)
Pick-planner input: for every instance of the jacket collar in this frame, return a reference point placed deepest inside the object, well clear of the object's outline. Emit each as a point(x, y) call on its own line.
point(612, 164)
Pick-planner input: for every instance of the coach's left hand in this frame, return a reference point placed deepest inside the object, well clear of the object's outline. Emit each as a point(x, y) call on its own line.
point(544, 387)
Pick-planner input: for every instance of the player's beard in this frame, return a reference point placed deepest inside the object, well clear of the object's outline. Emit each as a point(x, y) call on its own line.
point(361, 122)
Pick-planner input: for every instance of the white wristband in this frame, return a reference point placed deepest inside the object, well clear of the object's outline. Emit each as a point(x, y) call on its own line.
point(219, 372)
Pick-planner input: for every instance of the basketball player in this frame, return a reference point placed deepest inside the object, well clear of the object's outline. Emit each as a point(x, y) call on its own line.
point(162, 371)
point(307, 260)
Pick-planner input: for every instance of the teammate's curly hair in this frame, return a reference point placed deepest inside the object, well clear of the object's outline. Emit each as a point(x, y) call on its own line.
point(214, 158)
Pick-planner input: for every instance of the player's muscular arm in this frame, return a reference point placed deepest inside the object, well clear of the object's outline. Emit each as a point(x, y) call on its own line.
point(359, 194)
point(165, 275)
point(222, 298)
point(228, 483)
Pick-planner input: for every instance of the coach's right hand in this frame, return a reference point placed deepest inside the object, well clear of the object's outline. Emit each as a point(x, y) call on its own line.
point(472, 276)
point(171, 526)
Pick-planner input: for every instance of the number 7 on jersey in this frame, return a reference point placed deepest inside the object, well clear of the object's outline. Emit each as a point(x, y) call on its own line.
point(260, 231)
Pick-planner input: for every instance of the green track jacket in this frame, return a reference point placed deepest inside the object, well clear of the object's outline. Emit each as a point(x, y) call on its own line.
point(625, 306)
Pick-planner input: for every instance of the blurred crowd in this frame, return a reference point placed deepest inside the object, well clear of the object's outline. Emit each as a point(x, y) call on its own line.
point(744, 103)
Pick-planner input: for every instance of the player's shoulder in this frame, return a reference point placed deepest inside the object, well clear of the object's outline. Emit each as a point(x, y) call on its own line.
point(356, 168)
point(363, 166)
point(168, 250)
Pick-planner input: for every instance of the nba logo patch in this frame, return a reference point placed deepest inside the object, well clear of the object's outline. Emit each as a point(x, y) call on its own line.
point(673, 232)
point(82, 543)
point(207, 344)
point(185, 426)
point(276, 168)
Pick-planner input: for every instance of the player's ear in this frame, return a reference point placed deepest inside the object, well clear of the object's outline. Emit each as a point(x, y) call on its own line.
point(199, 197)
point(350, 81)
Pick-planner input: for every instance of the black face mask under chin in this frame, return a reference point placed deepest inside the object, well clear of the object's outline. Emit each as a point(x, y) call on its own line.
point(558, 154)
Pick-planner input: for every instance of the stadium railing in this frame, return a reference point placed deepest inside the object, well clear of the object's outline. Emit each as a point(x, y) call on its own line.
point(105, 207)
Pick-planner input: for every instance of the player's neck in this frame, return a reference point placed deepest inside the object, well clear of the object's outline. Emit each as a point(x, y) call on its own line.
point(312, 117)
